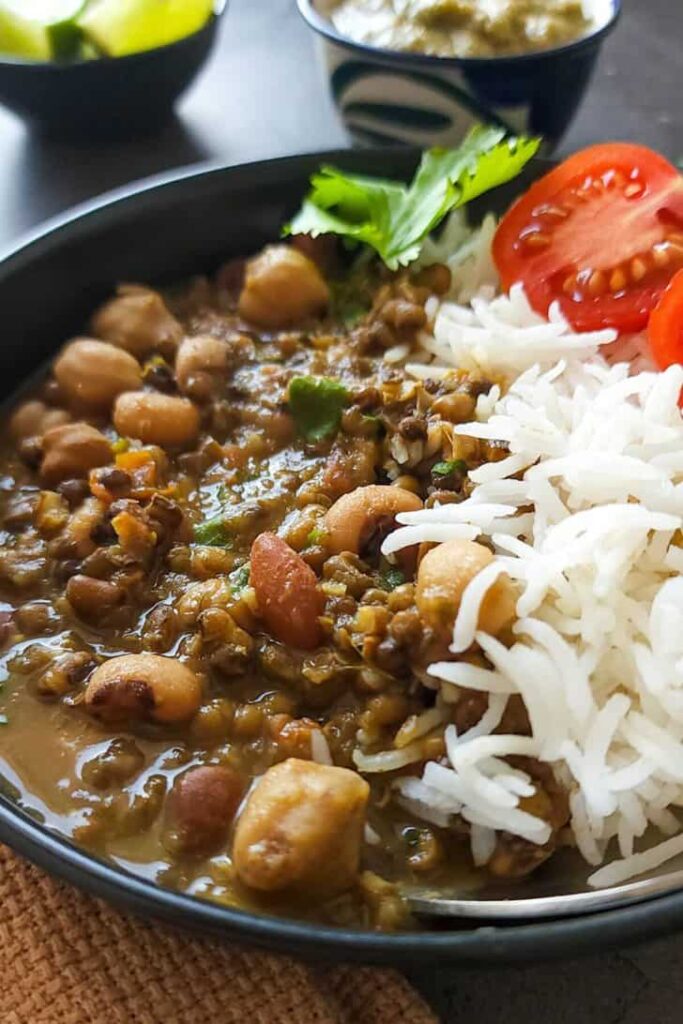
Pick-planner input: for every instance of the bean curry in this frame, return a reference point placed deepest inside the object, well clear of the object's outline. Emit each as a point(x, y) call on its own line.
point(199, 630)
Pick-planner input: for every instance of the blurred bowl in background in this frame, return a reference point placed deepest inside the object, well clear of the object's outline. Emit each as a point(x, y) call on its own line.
point(107, 96)
point(422, 100)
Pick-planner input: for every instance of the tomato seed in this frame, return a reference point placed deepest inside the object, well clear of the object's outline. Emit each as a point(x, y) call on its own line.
point(638, 269)
point(550, 210)
point(537, 240)
point(617, 281)
point(597, 284)
point(660, 255)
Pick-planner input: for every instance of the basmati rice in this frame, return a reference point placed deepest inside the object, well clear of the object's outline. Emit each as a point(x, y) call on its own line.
point(595, 453)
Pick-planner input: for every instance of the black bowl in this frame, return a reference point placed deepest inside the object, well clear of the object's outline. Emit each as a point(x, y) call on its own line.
point(420, 99)
point(108, 96)
point(161, 231)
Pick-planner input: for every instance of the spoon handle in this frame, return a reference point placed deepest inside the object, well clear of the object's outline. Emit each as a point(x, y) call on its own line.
point(424, 902)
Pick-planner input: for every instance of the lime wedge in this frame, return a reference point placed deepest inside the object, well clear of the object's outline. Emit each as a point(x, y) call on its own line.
point(40, 29)
point(120, 27)
point(47, 12)
point(22, 37)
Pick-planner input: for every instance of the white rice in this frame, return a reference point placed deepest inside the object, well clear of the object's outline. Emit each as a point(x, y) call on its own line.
point(596, 453)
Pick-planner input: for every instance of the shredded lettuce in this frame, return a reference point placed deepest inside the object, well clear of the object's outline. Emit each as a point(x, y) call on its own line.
point(393, 218)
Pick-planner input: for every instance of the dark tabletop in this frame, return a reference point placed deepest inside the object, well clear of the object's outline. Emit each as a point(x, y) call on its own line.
point(262, 96)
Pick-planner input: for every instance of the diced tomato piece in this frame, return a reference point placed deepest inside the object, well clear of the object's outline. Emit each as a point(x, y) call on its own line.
point(665, 330)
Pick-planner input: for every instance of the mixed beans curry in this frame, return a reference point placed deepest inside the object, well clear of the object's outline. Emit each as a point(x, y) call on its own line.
point(198, 627)
point(461, 28)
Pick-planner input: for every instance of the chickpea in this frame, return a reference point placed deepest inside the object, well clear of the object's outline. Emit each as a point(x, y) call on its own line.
point(282, 288)
point(143, 686)
point(71, 451)
point(137, 320)
point(301, 829)
point(353, 517)
point(445, 572)
point(34, 418)
point(92, 373)
point(153, 418)
point(201, 806)
point(199, 363)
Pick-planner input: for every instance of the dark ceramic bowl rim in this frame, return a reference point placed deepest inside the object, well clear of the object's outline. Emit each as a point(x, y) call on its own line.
point(483, 945)
point(320, 24)
point(45, 66)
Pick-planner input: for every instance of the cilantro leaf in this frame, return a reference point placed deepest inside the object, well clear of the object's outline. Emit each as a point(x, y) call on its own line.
point(213, 533)
point(239, 579)
point(391, 578)
point(450, 466)
point(316, 404)
point(393, 218)
point(316, 536)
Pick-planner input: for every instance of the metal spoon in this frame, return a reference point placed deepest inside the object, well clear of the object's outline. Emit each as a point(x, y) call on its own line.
point(503, 902)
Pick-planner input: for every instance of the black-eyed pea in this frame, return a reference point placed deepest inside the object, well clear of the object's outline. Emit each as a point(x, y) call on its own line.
point(355, 516)
point(444, 574)
point(76, 539)
point(143, 686)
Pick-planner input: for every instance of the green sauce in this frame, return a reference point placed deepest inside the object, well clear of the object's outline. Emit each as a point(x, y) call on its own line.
point(462, 28)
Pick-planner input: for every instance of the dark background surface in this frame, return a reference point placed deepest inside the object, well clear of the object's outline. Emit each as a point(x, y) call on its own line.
point(262, 96)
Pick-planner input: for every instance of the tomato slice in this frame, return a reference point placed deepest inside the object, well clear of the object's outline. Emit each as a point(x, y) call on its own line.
point(287, 592)
point(602, 234)
point(665, 329)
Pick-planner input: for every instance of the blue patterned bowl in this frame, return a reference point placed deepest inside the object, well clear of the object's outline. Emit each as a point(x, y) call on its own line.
point(388, 96)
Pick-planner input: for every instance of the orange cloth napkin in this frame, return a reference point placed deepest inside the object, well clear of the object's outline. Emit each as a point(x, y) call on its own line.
point(66, 958)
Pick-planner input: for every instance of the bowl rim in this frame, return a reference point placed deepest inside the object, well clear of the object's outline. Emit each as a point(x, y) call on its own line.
point(43, 66)
point(323, 27)
point(483, 945)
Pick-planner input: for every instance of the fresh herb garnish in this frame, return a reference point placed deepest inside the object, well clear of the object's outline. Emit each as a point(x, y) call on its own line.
point(120, 445)
point(391, 578)
point(393, 218)
point(448, 467)
point(316, 536)
point(213, 533)
point(316, 404)
point(240, 578)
